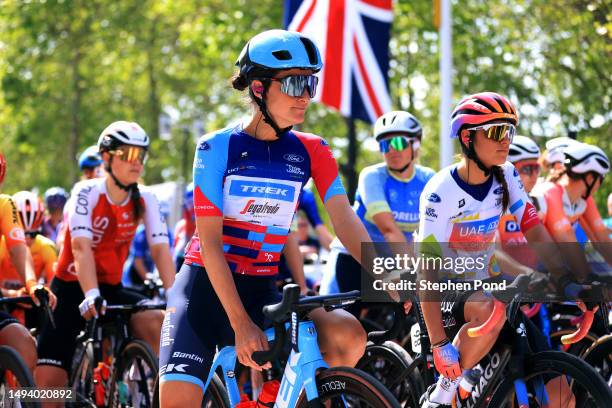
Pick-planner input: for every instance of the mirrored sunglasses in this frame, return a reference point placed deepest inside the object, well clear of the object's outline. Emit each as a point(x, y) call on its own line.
point(398, 143)
point(295, 85)
point(130, 154)
point(498, 131)
point(529, 169)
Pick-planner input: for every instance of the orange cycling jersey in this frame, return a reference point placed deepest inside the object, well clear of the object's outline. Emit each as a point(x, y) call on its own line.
point(561, 214)
point(44, 255)
point(10, 228)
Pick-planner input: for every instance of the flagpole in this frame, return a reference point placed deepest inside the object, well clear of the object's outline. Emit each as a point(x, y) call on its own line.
point(446, 82)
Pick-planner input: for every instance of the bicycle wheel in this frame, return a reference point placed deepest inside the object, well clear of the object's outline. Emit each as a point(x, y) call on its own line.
point(588, 388)
point(215, 397)
point(14, 374)
point(599, 356)
point(81, 377)
point(389, 363)
point(133, 379)
point(350, 387)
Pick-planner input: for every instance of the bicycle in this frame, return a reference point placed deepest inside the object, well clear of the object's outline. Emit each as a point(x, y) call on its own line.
point(307, 380)
point(125, 377)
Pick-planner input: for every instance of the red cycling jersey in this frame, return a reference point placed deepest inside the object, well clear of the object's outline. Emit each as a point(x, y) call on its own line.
point(111, 228)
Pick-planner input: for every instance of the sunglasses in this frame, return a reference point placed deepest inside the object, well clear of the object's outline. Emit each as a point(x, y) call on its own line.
point(398, 143)
point(130, 154)
point(498, 131)
point(31, 234)
point(529, 169)
point(294, 85)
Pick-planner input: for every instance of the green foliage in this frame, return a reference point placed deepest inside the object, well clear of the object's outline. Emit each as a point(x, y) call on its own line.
point(68, 68)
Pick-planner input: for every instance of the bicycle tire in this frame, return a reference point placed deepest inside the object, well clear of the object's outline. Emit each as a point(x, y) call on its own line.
point(215, 397)
point(139, 364)
point(389, 363)
point(599, 356)
point(555, 362)
point(81, 377)
point(340, 385)
point(12, 362)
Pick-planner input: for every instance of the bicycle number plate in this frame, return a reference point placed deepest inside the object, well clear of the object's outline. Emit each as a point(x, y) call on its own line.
point(415, 336)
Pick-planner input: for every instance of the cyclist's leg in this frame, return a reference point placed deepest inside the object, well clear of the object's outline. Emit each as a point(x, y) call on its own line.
point(476, 310)
point(56, 346)
point(17, 336)
point(329, 284)
point(341, 337)
point(348, 277)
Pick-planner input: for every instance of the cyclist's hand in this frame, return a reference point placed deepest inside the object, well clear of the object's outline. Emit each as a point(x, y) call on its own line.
point(13, 293)
point(32, 286)
point(446, 360)
point(407, 307)
point(88, 305)
point(250, 338)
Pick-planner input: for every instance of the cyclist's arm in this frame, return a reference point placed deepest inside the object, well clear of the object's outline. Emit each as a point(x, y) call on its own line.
point(596, 230)
point(509, 265)
point(325, 237)
point(386, 224)
point(157, 237)
point(211, 249)
point(84, 262)
point(140, 267)
point(49, 258)
point(163, 260)
point(295, 260)
point(348, 226)
point(22, 261)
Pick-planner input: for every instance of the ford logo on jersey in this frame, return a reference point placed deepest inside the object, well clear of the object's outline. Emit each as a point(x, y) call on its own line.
point(434, 198)
point(251, 189)
point(295, 158)
point(499, 190)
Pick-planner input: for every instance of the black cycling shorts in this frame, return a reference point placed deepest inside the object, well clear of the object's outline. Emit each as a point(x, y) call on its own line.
point(56, 346)
point(196, 323)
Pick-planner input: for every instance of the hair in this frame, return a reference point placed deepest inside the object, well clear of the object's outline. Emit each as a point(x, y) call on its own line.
point(138, 205)
point(498, 173)
point(239, 82)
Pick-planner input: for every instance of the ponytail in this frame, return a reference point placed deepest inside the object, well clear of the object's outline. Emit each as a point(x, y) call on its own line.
point(138, 206)
point(498, 173)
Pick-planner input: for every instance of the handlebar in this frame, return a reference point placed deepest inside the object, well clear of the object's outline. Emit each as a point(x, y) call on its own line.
point(379, 337)
point(531, 311)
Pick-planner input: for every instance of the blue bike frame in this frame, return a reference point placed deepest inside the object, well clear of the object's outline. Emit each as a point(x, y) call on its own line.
point(304, 361)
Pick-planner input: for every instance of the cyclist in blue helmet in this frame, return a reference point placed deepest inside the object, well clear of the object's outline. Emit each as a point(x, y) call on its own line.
point(55, 199)
point(90, 163)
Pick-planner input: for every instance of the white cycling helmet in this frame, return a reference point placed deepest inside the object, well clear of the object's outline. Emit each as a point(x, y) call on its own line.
point(30, 209)
point(555, 148)
point(523, 148)
point(397, 122)
point(582, 158)
point(122, 133)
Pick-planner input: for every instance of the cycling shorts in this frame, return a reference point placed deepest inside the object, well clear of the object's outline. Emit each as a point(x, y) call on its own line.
point(6, 319)
point(56, 346)
point(196, 323)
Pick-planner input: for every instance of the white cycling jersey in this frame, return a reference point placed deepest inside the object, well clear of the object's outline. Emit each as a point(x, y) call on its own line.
point(458, 221)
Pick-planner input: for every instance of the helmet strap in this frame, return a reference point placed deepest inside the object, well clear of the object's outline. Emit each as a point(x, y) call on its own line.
point(261, 102)
point(470, 152)
point(589, 186)
point(119, 184)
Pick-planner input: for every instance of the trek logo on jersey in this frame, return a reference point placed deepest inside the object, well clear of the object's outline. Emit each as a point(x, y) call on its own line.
point(292, 157)
point(266, 208)
point(244, 188)
point(434, 198)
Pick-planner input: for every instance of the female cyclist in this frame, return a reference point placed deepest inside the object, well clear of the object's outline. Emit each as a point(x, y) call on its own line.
point(102, 216)
point(569, 200)
point(387, 199)
point(247, 183)
point(460, 211)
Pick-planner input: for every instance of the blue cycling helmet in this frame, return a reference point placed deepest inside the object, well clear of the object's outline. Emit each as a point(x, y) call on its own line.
point(90, 158)
point(188, 197)
point(278, 50)
point(55, 198)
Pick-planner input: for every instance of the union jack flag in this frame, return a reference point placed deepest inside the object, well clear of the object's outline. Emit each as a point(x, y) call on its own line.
point(353, 37)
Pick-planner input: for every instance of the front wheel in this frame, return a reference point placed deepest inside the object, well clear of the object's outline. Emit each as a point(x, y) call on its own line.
point(350, 387)
point(14, 374)
point(133, 380)
point(587, 387)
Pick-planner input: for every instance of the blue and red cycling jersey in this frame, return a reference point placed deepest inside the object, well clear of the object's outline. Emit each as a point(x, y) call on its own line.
point(255, 186)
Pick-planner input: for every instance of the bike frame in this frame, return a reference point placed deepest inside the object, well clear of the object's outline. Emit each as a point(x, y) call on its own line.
point(302, 365)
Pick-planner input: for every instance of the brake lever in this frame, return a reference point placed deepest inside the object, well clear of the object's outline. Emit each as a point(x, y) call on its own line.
point(43, 297)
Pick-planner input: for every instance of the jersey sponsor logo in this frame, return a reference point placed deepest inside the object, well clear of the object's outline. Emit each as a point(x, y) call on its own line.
point(244, 155)
point(82, 202)
point(16, 234)
point(324, 142)
point(499, 190)
point(179, 368)
point(199, 163)
point(99, 225)
point(512, 226)
point(406, 216)
point(178, 354)
point(430, 212)
point(294, 169)
point(276, 191)
point(474, 234)
point(462, 203)
point(515, 173)
point(434, 198)
point(253, 208)
point(292, 157)
point(204, 145)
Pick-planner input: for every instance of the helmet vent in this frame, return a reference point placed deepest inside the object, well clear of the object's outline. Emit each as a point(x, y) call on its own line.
point(602, 163)
point(310, 50)
point(282, 55)
point(122, 133)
